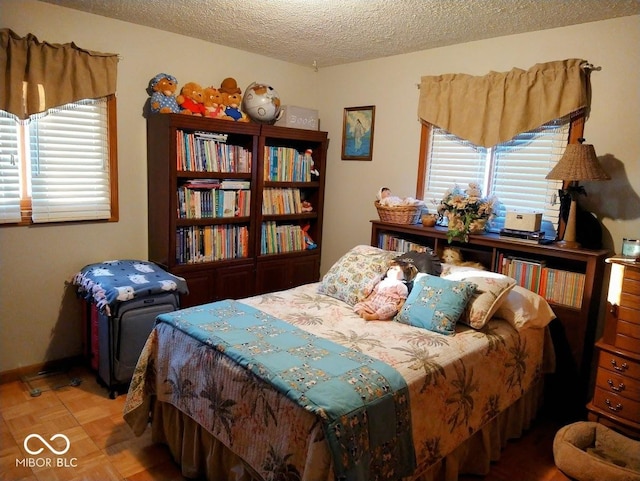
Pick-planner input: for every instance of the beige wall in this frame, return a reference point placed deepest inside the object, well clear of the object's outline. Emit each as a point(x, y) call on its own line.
point(391, 85)
point(39, 316)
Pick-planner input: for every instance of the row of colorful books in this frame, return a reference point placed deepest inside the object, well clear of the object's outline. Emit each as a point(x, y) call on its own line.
point(209, 152)
point(281, 201)
point(212, 203)
point(393, 243)
point(557, 286)
point(210, 243)
point(285, 164)
point(280, 238)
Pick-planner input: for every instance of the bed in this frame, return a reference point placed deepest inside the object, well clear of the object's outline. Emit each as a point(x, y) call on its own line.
point(442, 389)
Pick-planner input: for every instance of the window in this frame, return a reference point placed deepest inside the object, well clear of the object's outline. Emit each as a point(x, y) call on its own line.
point(513, 171)
point(61, 166)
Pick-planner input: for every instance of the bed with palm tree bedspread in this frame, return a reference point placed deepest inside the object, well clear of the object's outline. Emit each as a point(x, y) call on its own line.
point(294, 385)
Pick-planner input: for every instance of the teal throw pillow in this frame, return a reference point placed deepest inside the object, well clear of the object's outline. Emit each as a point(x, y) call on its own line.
point(436, 304)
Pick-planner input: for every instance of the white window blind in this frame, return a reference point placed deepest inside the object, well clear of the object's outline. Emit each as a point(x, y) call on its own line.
point(9, 170)
point(520, 169)
point(69, 152)
point(452, 161)
point(513, 171)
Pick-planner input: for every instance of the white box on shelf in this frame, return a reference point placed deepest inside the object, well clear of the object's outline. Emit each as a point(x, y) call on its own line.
point(298, 118)
point(524, 221)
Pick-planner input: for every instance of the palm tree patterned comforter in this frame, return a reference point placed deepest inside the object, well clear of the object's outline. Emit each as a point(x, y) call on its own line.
point(456, 385)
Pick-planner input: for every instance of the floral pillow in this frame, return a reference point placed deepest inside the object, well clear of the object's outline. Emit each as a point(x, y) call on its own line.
point(436, 303)
point(352, 278)
point(491, 291)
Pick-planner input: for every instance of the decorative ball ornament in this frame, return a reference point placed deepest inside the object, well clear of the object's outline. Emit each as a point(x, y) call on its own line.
point(261, 103)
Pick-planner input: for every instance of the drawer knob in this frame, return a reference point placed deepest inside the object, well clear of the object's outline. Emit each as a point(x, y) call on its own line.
point(619, 388)
point(616, 408)
point(624, 366)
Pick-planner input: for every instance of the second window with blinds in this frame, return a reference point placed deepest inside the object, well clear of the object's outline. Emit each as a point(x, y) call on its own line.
point(513, 171)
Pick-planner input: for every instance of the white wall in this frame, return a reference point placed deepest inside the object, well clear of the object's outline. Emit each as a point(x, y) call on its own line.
point(39, 315)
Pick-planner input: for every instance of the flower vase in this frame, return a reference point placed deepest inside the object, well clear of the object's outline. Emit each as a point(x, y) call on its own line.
point(477, 226)
point(455, 227)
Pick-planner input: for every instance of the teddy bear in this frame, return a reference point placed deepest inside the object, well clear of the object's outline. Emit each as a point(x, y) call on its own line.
point(163, 88)
point(213, 103)
point(191, 99)
point(389, 294)
point(232, 110)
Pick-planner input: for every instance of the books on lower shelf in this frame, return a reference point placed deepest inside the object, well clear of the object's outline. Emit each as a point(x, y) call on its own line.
point(557, 286)
point(281, 238)
point(196, 244)
point(393, 243)
point(281, 201)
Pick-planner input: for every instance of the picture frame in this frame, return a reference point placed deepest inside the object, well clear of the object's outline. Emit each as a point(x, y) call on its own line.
point(357, 132)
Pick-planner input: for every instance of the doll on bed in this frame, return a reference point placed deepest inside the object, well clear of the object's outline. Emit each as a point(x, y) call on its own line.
point(389, 294)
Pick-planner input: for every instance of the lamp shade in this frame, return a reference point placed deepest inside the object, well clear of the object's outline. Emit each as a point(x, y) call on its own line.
point(579, 162)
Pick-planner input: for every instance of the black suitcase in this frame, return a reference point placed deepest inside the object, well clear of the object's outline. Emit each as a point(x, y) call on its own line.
point(121, 337)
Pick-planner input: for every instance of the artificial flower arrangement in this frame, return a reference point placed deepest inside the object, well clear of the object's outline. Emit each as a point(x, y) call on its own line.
point(466, 210)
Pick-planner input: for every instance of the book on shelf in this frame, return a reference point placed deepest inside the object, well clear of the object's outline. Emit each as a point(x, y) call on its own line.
point(286, 164)
point(562, 287)
point(394, 243)
point(197, 244)
point(209, 152)
point(200, 202)
point(526, 272)
point(281, 201)
point(235, 184)
point(277, 239)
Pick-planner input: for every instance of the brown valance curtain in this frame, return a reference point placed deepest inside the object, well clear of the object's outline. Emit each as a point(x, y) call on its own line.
point(37, 76)
point(494, 108)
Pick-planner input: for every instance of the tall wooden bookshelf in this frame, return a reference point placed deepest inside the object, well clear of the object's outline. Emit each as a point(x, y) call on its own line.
point(579, 322)
point(206, 190)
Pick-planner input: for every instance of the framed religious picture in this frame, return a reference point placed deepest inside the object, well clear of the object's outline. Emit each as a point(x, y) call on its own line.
point(357, 133)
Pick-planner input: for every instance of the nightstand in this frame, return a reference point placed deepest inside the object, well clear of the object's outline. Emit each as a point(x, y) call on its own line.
point(616, 396)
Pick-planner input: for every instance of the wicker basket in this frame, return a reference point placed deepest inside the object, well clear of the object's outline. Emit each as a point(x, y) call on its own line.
point(400, 214)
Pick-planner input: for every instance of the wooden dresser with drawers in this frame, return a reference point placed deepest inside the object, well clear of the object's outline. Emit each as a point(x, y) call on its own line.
point(616, 396)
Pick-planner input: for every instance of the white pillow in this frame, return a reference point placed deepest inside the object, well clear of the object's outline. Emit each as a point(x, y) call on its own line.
point(523, 309)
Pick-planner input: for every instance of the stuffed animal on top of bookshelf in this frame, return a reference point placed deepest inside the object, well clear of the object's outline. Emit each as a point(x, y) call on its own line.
point(230, 86)
point(191, 99)
point(232, 110)
point(162, 89)
point(213, 103)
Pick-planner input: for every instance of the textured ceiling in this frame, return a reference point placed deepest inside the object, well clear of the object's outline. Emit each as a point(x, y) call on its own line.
point(334, 32)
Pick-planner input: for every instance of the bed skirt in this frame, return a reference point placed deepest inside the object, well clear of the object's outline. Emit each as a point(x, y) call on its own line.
point(200, 455)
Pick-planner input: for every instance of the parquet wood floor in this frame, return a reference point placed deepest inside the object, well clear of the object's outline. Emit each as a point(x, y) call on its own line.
point(102, 447)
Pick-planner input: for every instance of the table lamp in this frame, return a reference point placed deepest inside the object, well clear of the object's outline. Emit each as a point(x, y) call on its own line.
point(579, 162)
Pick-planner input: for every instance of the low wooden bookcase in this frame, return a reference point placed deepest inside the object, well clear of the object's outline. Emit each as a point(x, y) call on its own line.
point(577, 323)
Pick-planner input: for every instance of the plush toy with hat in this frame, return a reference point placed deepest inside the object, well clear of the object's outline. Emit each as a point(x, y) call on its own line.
point(230, 86)
point(191, 98)
point(163, 88)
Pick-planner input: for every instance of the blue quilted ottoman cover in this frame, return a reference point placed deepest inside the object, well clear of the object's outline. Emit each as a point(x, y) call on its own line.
point(108, 283)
